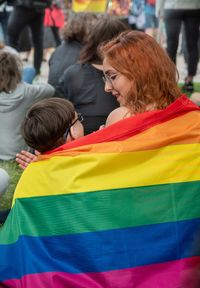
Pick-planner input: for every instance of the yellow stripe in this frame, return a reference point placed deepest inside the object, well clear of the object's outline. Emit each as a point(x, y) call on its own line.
point(102, 171)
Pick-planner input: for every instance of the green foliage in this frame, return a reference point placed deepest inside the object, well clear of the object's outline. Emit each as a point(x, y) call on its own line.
point(14, 172)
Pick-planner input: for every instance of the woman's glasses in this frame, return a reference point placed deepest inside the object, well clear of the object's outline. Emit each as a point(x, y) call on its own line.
point(79, 118)
point(109, 79)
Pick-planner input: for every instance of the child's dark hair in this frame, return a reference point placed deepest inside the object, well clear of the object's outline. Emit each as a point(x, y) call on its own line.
point(46, 122)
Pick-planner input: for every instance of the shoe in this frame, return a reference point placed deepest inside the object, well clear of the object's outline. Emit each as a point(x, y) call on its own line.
point(188, 87)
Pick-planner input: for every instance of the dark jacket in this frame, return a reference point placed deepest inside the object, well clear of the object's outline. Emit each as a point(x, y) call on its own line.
point(65, 55)
point(34, 4)
point(83, 85)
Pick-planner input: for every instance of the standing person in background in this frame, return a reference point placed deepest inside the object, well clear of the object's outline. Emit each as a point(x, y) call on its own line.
point(82, 83)
point(74, 34)
point(25, 43)
point(31, 13)
point(136, 18)
point(151, 21)
point(54, 18)
point(175, 13)
point(5, 11)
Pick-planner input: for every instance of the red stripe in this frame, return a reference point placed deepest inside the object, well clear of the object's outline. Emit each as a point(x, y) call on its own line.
point(181, 273)
point(127, 127)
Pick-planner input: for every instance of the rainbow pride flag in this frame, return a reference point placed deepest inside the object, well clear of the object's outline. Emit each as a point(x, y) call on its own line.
point(119, 208)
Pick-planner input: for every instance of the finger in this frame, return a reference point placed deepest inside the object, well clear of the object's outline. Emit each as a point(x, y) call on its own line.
point(20, 161)
point(20, 157)
point(35, 159)
point(27, 154)
point(22, 167)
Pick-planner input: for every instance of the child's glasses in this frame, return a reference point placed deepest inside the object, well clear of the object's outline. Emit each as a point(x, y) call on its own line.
point(79, 118)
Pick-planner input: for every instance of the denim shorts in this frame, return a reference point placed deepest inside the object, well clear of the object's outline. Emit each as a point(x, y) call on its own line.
point(151, 21)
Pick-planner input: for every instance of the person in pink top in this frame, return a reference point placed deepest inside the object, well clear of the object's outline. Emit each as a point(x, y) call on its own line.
point(54, 18)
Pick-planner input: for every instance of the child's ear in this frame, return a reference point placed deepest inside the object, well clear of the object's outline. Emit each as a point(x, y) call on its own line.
point(74, 134)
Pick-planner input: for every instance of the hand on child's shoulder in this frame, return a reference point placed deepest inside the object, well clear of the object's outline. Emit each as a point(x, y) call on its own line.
point(117, 115)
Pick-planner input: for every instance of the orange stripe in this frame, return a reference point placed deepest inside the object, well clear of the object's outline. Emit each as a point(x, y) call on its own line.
point(174, 132)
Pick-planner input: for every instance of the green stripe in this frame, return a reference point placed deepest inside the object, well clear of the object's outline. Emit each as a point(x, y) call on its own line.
point(102, 210)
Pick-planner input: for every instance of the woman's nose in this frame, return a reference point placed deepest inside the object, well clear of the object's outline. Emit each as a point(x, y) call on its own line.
point(108, 86)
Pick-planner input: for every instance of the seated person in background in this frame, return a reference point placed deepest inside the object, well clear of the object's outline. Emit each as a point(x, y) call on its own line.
point(82, 83)
point(74, 33)
point(50, 123)
point(28, 72)
point(15, 99)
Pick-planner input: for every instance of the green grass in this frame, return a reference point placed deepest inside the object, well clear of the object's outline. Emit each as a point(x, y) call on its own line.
point(196, 87)
point(14, 172)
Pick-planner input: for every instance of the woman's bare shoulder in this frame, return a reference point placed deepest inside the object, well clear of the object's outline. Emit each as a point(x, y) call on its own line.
point(117, 115)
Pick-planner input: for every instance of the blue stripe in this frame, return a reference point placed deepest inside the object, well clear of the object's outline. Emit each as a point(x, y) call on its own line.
point(100, 251)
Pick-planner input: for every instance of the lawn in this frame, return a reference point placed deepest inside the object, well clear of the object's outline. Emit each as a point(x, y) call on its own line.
point(197, 87)
point(15, 172)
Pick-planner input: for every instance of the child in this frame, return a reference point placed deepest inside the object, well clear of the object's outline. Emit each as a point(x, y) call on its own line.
point(50, 123)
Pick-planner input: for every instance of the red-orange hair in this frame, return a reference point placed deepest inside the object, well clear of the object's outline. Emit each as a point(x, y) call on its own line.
point(154, 76)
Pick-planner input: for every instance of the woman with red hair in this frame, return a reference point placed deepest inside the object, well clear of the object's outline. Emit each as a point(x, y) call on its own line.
point(139, 73)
